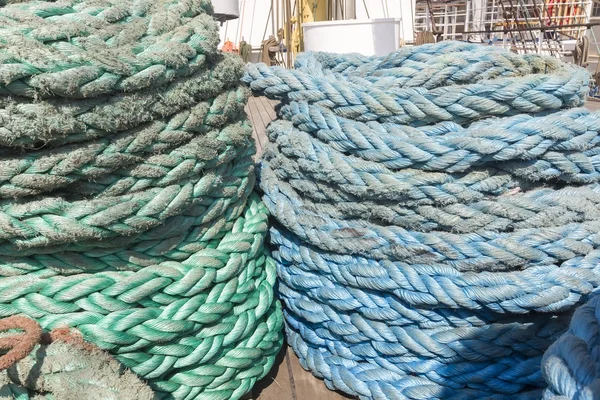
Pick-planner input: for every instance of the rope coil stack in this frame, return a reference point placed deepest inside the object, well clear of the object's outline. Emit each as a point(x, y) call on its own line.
point(437, 216)
point(60, 365)
point(126, 174)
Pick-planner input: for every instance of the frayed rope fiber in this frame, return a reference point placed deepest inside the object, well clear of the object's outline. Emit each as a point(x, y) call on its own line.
point(437, 215)
point(60, 365)
point(126, 206)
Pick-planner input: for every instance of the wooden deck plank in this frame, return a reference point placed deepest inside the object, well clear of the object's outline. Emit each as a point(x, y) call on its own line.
point(269, 107)
point(254, 130)
point(258, 129)
point(260, 115)
point(309, 387)
point(272, 102)
point(287, 380)
point(279, 384)
point(263, 111)
point(592, 105)
point(264, 116)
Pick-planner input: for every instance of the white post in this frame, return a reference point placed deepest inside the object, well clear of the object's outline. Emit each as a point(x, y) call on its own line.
point(408, 20)
point(478, 19)
point(350, 9)
point(468, 11)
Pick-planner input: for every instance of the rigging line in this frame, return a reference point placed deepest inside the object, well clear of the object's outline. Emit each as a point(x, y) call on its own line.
point(543, 34)
point(547, 14)
point(383, 8)
point(412, 15)
point(242, 6)
point(239, 37)
point(593, 34)
point(225, 34)
point(272, 17)
point(525, 14)
point(366, 9)
point(252, 25)
point(262, 47)
point(507, 22)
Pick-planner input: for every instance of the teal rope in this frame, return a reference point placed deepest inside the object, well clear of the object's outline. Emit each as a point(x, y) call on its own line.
point(126, 205)
point(425, 248)
point(36, 123)
point(75, 50)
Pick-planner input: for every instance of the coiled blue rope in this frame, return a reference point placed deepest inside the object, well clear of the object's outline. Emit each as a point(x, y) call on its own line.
point(571, 365)
point(437, 215)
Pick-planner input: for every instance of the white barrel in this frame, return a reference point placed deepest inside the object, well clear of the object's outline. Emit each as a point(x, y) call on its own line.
point(372, 37)
point(226, 9)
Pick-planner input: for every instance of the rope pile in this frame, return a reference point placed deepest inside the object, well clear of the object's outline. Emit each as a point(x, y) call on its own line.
point(571, 365)
point(125, 182)
point(437, 216)
point(60, 365)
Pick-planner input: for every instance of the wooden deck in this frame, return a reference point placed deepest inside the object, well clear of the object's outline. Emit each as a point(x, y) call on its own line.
point(261, 111)
point(593, 104)
point(288, 380)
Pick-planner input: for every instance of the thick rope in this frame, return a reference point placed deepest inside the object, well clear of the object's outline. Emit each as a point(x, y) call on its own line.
point(125, 193)
point(425, 249)
point(570, 365)
point(94, 49)
point(60, 365)
point(38, 122)
point(357, 98)
point(462, 63)
point(131, 154)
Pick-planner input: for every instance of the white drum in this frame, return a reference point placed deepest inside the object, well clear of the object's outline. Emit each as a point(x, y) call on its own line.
point(374, 37)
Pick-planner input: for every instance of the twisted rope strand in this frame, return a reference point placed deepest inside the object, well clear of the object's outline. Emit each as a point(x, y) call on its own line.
point(358, 99)
point(180, 298)
point(348, 63)
point(427, 249)
point(570, 365)
point(448, 147)
point(50, 119)
point(49, 170)
point(52, 224)
point(178, 245)
point(369, 381)
point(127, 171)
point(548, 288)
point(441, 69)
point(477, 251)
point(149, 46)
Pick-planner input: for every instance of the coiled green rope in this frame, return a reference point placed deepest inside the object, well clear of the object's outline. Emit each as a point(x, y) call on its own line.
point(125, 192)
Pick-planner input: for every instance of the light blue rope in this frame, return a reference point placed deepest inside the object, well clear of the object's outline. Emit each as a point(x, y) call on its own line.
point(360, 99)
point(571, 365)
point(427, 249)
point(449, 62)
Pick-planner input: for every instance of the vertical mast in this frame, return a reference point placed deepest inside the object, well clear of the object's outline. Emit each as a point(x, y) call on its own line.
point(273, 29)
point(288, 32)
point(350, 9)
